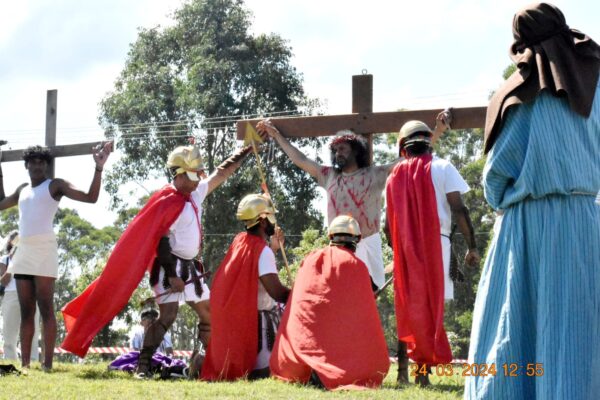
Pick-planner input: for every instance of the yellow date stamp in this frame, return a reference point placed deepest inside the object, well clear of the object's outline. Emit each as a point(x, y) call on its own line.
point(481, 370)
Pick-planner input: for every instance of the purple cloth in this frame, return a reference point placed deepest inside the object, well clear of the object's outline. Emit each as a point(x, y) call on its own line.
point(128, 362)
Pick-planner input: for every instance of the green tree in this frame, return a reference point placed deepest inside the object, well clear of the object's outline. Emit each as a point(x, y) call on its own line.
point(207, 70)
point(10, 221)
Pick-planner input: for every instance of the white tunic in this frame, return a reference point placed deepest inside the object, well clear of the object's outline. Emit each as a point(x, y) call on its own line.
point(37, 209)
point(184, 234)
point(37, 253)
point(266, 265)
point(446, 179)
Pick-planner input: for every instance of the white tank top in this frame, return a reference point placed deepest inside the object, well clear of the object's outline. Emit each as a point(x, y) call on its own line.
point(37, 209)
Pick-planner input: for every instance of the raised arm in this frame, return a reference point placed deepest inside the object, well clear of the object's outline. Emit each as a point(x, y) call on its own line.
point(60, 187)
point(292, 152)
point(463, 220)
point(442, 124)
point(227, 168)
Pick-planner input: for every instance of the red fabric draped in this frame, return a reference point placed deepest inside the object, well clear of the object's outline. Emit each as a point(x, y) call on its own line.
point(331, 325)
point(232, 350)
point(132, 256)
point(418, 266)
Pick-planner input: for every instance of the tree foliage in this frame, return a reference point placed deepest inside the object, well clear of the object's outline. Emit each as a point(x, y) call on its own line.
point(194, 79)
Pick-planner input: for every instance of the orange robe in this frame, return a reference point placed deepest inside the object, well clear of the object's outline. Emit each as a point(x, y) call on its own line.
point(331, 325)
point(232, 350)
point(133, 254)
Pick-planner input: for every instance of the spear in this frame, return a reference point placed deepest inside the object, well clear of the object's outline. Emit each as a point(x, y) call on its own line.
point(251, 137)
point(152, 299)
point(385, 285)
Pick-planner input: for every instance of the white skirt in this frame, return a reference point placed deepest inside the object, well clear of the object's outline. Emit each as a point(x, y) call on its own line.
point(36, 255)
point(369, 250)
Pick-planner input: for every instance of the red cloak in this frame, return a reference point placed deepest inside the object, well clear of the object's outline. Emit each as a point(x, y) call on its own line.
point(331, 325)
point(418, 266)
point(102, 300)
point(232, 350)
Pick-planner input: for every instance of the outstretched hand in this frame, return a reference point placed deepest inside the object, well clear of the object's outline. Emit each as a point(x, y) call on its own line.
point(101, 153)
point(266, 127)
point(442, 124)
point(444, 119)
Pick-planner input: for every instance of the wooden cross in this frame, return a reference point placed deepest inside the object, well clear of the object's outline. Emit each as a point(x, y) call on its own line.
point(363, 120)
point(50, 142)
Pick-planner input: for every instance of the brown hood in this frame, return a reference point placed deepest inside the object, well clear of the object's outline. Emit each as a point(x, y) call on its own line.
point(548, 55)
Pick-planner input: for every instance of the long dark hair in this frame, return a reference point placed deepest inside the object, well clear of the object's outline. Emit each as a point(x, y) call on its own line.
point(359, 147)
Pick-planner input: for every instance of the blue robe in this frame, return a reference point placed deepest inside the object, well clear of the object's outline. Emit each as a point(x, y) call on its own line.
point(538, 300)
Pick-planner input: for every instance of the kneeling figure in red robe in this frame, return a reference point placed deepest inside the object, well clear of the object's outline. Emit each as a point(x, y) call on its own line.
point(330, 328)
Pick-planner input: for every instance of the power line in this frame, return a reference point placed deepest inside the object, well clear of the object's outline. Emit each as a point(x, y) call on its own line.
point(234, 117)
point(159, 124)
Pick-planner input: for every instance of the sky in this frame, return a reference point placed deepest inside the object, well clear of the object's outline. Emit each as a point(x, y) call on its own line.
point(423, 54)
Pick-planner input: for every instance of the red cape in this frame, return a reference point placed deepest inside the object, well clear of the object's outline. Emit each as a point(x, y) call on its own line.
point(106, 296)
point(418, 266)
point(232, 350)
point(331, 325)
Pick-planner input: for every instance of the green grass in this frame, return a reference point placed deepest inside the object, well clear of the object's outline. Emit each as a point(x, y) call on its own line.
point(94, 381)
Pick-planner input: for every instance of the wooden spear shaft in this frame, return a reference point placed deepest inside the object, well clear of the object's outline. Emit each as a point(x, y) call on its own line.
point(266, 190)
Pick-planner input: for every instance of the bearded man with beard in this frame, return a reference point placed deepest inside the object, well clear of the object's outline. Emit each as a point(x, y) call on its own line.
point(354, 187)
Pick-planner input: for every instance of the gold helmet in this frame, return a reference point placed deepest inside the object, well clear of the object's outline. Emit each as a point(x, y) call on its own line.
point(344, 228)
point(186, 159)
point(410, 128)
point(253, 207)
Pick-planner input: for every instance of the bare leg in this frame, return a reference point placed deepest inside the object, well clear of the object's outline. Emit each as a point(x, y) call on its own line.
point(202, 309)
point(168, 314)
point(26, 293)
point(44, 291)
point(422, 379)
point(155, 335)
point(402, 364)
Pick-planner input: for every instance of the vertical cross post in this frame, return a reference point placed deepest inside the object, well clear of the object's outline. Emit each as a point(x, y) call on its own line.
point(362, 101)
point(51, 107)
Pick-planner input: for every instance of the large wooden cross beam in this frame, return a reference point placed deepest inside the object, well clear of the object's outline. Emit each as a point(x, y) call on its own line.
point(363, 120)
point(50, 142)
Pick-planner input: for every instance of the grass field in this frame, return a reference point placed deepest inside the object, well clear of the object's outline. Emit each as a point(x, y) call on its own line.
point(94, 381)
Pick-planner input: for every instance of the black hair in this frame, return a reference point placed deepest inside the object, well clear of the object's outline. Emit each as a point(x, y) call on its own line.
point(359, 147)
point(344, 240)
point(149, 314)
point(33, 152)
point(349, 245)
point(254, 228)
point(418, 147)
point(172, 173)
point(414, 149)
